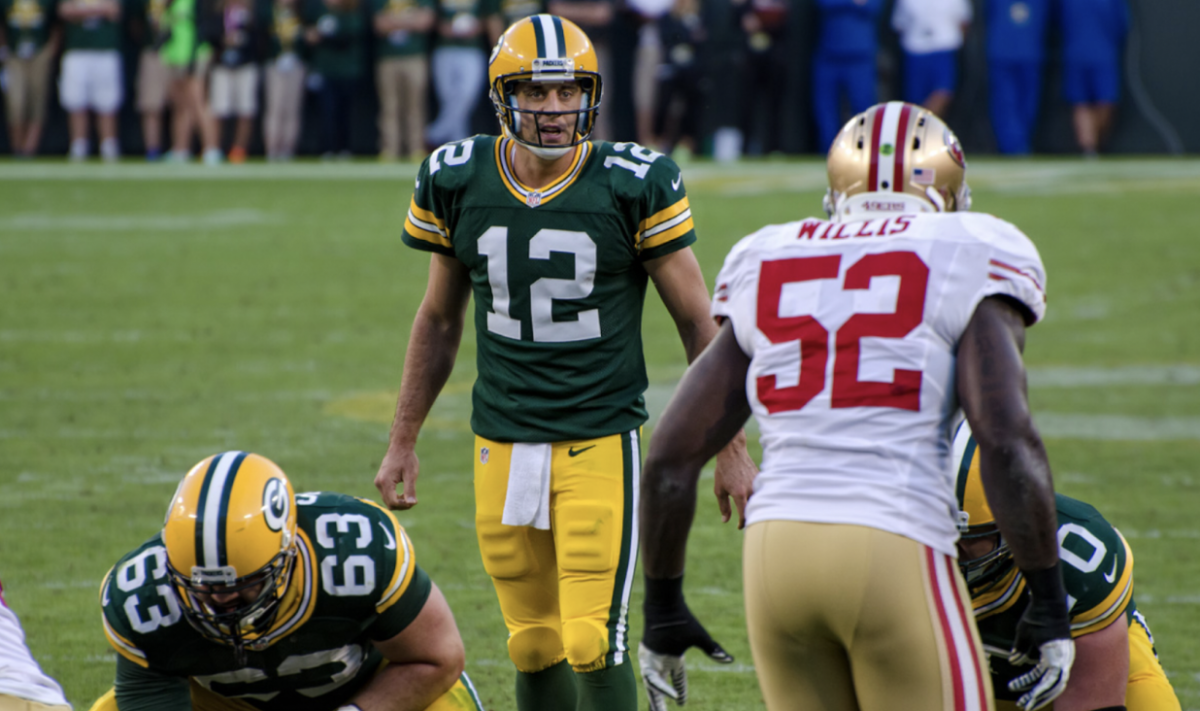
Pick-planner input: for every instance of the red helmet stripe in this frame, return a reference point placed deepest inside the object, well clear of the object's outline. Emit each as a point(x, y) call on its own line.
point(876, 128)
point(901, 132)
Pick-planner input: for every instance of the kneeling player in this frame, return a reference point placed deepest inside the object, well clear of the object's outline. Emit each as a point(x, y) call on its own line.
point(1115, 666)
point(311, 601)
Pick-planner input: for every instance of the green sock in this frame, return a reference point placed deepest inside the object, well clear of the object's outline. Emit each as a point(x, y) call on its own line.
point(611, 689)
point(548, 690)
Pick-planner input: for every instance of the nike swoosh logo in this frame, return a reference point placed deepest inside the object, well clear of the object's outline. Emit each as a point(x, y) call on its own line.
point(391, 544)
point(572, 452)
point(678, 181)
point(1111, 576)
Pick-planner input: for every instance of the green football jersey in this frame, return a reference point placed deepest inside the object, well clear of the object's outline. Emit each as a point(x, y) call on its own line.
point(1097, 567)
point(558, 277)
point(355, 579)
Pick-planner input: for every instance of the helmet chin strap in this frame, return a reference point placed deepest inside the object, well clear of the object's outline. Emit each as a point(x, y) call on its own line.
point(841, 208)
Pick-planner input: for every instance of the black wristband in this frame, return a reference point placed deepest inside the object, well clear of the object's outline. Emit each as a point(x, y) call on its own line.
point(664, 592)
point(1046, 584)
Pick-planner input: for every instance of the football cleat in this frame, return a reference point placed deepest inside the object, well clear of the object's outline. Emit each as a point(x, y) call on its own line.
point(975, 518)
point(544, 48)
point(895, 157)
point(231, 528)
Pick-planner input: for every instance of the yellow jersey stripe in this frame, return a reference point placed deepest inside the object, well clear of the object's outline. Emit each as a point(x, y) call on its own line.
point(123, 646)
point(666, 236)
point(415, 232)
point(425, 215)
point(1000, 597)
point(402, 575)
point(663, 215)
point(405, 570)
point(1101, 615)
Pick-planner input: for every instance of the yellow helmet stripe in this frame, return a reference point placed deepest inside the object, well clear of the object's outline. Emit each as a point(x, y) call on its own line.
point(213, 509)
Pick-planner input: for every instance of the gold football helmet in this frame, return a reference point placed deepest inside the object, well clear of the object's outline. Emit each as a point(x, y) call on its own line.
point(975, 517)
point(231, 526)
point(544, 48)
point(895, 157)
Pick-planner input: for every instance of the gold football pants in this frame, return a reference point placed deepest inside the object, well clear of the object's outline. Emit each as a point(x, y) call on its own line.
point(851, 618)
point(564, 592)
point(460, 697)
point(16, 703)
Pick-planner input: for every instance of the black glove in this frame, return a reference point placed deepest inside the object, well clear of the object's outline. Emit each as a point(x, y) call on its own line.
point(670, 630)
point(1043, 638)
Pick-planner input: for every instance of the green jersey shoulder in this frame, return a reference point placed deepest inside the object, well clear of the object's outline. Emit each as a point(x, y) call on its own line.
point(559, 278)
point(1097, 566)
point(355, 580)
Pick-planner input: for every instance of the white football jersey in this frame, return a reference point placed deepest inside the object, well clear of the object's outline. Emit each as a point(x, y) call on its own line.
point(20, 675)
point(852, 330)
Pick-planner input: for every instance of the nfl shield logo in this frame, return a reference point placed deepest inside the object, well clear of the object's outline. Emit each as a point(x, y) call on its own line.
point(483, 455)
point(533, 199)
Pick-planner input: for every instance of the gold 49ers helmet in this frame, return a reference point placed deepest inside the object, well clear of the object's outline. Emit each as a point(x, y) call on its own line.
point(231, 526)
point(895, 157)
point(544, 48)
point(975, 517)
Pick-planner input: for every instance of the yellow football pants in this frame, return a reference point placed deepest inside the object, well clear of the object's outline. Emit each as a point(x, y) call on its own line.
point(564, 592)
point(460, 697)
point(1148, 688)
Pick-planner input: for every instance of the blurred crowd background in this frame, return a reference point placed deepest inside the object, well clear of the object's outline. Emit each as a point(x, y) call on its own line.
point(220, 80)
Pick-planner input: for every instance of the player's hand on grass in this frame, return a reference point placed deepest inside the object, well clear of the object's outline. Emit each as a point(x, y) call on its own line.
point(399, 467)
point(671, 629)
point(1043, 638)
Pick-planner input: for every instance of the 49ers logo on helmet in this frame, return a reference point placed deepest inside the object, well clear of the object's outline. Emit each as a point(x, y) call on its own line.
point(954, 149)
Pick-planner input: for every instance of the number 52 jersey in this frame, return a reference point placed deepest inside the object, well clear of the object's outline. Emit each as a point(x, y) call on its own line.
point(852, 330)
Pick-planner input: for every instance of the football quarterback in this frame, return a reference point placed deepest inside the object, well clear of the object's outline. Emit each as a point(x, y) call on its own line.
point(1115, 661)
point(254, 597)
point(854, 341)
point(556, 237)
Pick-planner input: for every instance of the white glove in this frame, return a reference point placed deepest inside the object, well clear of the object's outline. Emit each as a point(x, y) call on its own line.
point(665, 677)
point(1048, 679)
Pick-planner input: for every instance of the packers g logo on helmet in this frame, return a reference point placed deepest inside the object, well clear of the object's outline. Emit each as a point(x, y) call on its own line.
point(900, 151)
point(231, 526)
point(544, 48)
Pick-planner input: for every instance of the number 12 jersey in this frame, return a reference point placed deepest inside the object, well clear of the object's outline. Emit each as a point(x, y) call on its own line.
point(558, 279)
point(852, 329)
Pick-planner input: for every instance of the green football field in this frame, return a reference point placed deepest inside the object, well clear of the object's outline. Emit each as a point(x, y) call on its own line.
point(153, 315)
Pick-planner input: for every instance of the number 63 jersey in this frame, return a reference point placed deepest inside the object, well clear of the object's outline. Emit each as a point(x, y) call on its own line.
point(852, 330)
point(355, 580)
point(557, 277)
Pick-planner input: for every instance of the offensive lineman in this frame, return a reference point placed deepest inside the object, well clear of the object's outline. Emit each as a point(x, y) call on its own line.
point(308, 602)
point(854, 342)
point(555, 236)
point(1116, 666)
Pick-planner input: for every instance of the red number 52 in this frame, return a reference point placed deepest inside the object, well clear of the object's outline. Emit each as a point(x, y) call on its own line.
point(903, 392)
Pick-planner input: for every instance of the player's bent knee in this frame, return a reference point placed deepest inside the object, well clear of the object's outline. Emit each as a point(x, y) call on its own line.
point(587, 542)
point(506, 550)
point(586, 644)
point(535, 649)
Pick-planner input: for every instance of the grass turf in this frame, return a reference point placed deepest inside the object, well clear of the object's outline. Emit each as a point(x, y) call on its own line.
point(153, 315)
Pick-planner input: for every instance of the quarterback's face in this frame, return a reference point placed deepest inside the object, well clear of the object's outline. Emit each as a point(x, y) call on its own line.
point(548, 130)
